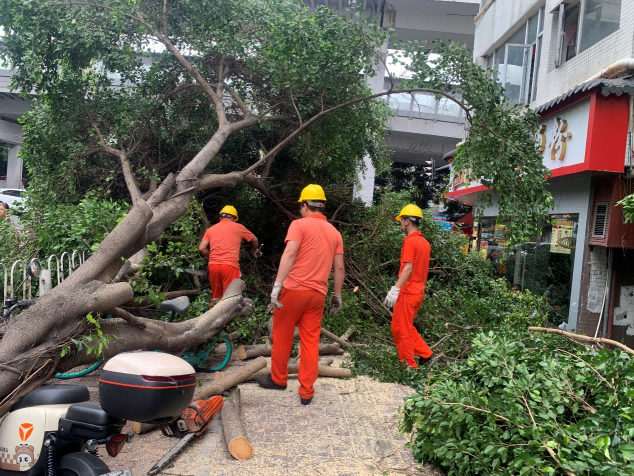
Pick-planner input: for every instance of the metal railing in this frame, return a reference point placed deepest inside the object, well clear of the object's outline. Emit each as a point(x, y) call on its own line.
point(54, 270)
point(425, 106)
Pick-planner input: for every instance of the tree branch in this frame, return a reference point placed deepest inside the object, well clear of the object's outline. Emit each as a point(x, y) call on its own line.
point(128, 175)
point(570, 335)
point(324, 112)
point(299, 116)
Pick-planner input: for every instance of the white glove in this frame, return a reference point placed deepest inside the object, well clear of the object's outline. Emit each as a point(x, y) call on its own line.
point(257, 253)
point(335, 303)
point(275, 298)
point(392, 296)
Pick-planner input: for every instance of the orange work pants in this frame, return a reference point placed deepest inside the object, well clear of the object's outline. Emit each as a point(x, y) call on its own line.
point(220, 277)
point(407, 339)
point(303, 309)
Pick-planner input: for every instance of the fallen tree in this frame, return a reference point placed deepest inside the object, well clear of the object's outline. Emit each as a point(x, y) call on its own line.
point(232, 87)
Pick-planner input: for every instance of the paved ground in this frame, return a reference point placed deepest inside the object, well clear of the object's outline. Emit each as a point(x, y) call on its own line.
point(351, 428)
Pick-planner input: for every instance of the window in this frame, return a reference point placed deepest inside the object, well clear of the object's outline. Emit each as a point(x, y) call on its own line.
point(583, 23)
point(601, 216)
point(516, 62)
point(424, 106)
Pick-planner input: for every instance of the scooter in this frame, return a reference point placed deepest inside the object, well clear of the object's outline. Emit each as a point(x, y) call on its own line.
point(55, 430)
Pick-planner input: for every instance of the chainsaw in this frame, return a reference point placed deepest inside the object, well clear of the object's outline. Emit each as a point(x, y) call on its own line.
point(192, 422)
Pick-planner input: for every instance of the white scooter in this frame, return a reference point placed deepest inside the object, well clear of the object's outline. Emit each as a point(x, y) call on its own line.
point(55, 431)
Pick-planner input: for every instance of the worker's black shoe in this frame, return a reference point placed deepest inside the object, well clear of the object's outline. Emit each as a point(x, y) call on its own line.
point(306, 401)
point(422, 360)
point(267, 382)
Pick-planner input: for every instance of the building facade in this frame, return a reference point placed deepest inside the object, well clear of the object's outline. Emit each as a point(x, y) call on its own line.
point(572, 63)
point(422, 128)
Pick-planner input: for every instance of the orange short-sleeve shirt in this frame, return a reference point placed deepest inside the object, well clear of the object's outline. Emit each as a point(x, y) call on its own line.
point(416, 250)
point(319, 242)
point(224, 240)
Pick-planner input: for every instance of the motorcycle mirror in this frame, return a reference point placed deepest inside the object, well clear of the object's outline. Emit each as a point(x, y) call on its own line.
point(35, 268)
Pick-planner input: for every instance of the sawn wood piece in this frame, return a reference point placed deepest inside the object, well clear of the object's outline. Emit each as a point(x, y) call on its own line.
point(218, 387)
point(232, 427)
point(264, 350)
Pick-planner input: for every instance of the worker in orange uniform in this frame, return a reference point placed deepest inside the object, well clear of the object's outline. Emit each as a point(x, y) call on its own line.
point(221, 244)
point(407, 295)
point(313, 248)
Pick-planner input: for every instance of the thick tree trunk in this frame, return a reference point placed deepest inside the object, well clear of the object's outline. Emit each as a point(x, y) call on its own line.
point(138, 333)
point(38, 334)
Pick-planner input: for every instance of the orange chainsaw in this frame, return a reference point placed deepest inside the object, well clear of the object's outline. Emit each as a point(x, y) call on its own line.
point(193, 421)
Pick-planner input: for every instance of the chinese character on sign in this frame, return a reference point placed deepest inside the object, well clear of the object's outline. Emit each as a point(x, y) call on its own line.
point(541, 137)
point(557, 144)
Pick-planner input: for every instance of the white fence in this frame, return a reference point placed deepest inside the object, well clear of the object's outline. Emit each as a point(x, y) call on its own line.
point(54, 270)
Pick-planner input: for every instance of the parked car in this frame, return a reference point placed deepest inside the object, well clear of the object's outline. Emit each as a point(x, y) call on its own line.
point(12, 195)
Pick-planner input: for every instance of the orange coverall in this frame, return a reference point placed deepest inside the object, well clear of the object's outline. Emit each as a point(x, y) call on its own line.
point(303, 297)
point(409, 343)
point(224, 240)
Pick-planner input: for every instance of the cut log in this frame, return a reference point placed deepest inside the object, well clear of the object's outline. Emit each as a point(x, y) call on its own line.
point(348, 333)
point(232, 427)
point(140, 428)
point(218, 387)
point(218, 375)
point(263, 350)
point(233, 336)
point(252, 351)
point(335, 338)
point(330, 349)
point(324, 370)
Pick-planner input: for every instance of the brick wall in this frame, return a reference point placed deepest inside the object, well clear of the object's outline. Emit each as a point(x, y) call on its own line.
point(592, 288)
point(503, 18)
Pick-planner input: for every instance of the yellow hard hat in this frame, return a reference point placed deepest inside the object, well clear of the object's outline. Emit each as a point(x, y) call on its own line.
point(229, 210)
point(410, 211)
point(312, 192)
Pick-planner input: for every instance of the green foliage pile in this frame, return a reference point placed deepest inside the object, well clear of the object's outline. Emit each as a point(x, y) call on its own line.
point(523, 405)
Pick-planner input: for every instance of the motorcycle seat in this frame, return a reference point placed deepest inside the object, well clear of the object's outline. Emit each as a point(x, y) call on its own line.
point(179, 305)
point(90, 412)
point(53, 394)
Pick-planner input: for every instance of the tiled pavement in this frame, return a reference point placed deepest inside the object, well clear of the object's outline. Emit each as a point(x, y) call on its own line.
point(351, 428)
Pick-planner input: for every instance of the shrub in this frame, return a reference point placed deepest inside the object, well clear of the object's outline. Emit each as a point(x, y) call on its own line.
point(526, 406)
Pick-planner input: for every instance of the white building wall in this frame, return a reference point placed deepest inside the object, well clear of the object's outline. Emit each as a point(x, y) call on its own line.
point(498, 22)
point(504, 17)
point(555, 81)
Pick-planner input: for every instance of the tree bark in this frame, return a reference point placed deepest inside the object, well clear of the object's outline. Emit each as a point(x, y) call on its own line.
point(140, 428)
point(172, 337)
point(264, 350)
point(218, 387)
point(233, 428)
point(324, 370)
point(335, 338)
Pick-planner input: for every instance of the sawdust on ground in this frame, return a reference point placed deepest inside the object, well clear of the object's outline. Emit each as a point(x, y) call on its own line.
point(350, 429)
